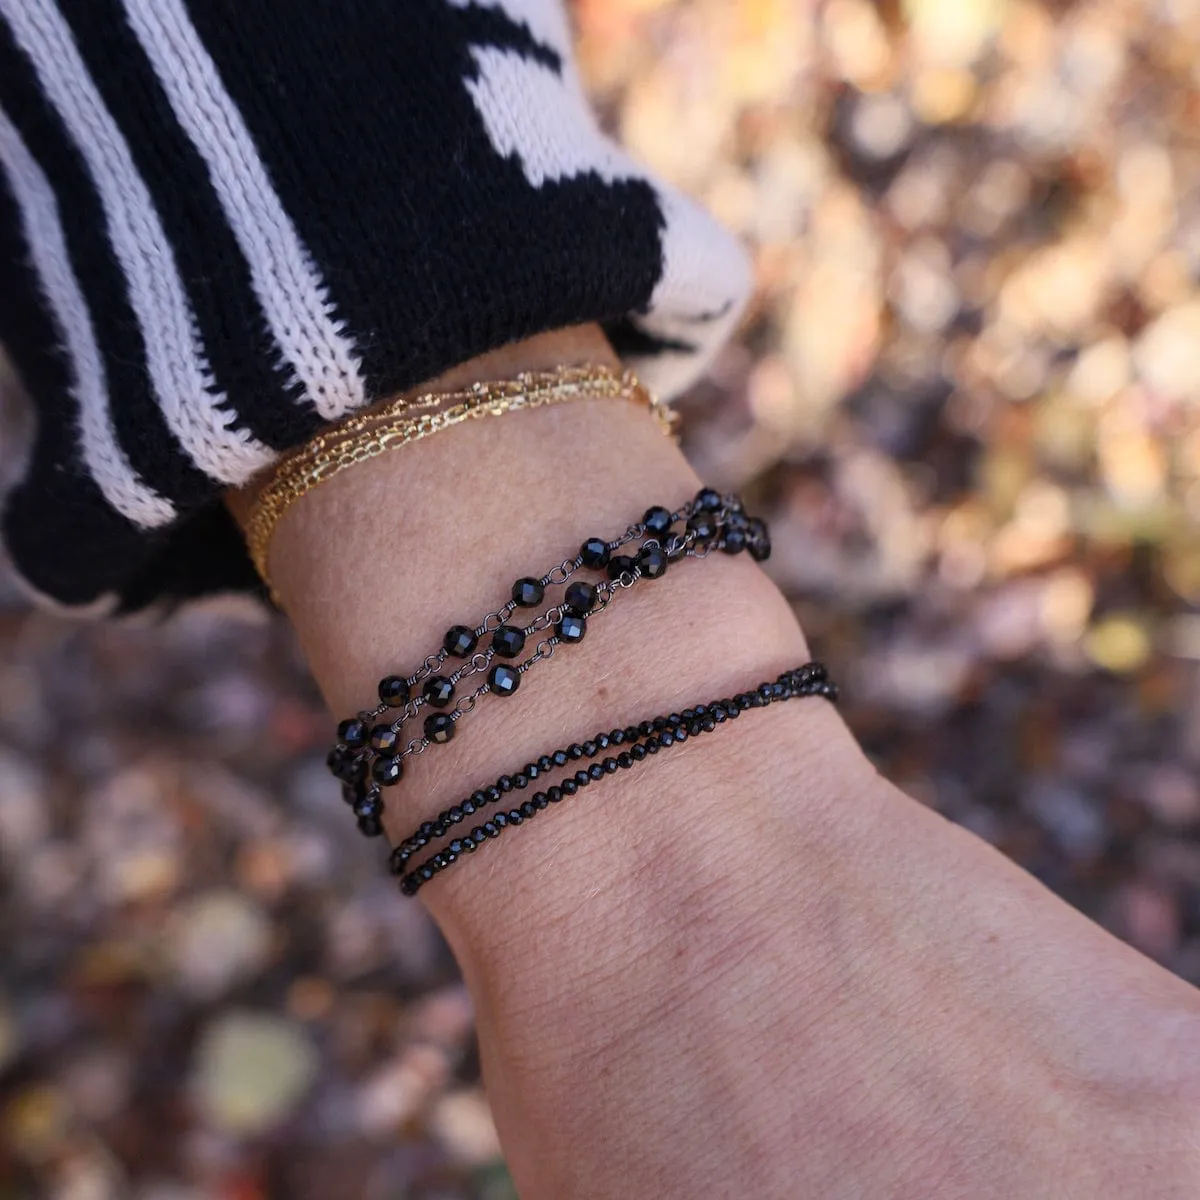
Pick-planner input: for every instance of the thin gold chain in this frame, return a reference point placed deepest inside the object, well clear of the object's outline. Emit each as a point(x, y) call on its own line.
point(403, 421)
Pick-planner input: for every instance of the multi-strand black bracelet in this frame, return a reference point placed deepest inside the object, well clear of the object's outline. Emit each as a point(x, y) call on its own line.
point(636, 742)
point(370, 752)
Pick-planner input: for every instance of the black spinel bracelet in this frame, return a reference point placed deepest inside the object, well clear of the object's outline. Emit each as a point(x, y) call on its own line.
point(636, 742)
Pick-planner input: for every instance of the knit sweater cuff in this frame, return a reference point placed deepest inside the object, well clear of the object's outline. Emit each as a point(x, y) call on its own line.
point(226, 224)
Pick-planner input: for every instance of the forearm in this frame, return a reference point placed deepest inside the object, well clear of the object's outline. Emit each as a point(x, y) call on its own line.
point(752, 951)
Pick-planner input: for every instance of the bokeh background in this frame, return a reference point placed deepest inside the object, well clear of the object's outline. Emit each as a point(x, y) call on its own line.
point(968, 397)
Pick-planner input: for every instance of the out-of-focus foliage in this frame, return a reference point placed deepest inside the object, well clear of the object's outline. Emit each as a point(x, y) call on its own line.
point(967, 395)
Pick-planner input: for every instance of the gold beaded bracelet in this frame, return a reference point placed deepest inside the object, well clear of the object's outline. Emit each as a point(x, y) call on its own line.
point(403, 421)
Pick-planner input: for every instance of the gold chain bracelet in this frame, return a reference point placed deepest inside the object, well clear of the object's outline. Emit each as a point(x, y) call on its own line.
point(403, 421)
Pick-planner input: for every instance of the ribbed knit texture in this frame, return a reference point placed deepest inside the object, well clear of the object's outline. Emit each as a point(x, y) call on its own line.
point(225, 223)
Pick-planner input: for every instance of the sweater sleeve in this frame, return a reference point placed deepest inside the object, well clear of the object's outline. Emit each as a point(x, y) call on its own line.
point(225, 223)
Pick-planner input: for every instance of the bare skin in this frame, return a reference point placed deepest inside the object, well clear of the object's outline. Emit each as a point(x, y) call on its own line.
point(752, 967)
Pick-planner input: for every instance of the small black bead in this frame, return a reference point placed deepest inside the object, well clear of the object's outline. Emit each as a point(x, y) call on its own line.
point(459, 641)
point(703, 525)
point(545, 763)
point(764, 690)
point(560, 758)
point(539, 800)
point(491, 829)
point(467, 806)
point(439, 728)
point(520, 781)
point(370, 826)
point(745, 701)
point(479, 798)
point(493, 793)
point(569, 787)
point(508, 641)
point(681, 734)
point(589, 749)
point(440, 829)
point(385, 741)
point(571, 628)
point(575, 750)
point(602, 741)
point(505, 783)
point(371, 805)
point(611, 766)
point(637, 752)
point(688, 715)
point(759, 540)
point(426, 873)
point(426, 830)
point(719, 714)
point(554, 794)
point(515, 816)
point(500, 820)
point(708, 500)
point(734, 541)
point(504, 680)
point(616, 737)
point(394, 691)
point(528, 809)
point(657, 520)
point(387, 771)
point(779, 691)
point(631, 732)
point(736, 519)
point(655, 743)
point(527, 593)
point(454, 815)
point(625, 759)
point(594, 553)
point(596, 771)
point(579, 598)
point(582, 778)
point(477, 836)
point(620, 564)
point(438, 691)
point(353, 733)
point(409, 885)
point(398, 858)
point(708, 723)
point(354, 770)
point(532, 770)
point(456, 846)
point(352, 793)
point(666, 738)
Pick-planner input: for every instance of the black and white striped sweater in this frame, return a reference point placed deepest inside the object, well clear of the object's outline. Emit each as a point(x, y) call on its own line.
point(224, 223)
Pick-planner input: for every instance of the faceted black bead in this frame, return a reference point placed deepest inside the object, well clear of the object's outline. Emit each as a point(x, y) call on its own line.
point(594, 553)
point(736, 520)
point(371, 805)
point(505, 783)
point(385, 740)
point(620, 564)
point(438, 691)
point(539, 800)
point(610, 766)
point(575, 750)
point(595, 771)
point(354, 770)
point(638, 752)
point(745, 701)
point(560, 758)
point(439, 728)
point(734, 541)
point(654, 744)
point(579, 598)
point(528, 809)
point(708, 500)
point(515, 816)
point(491, 829)
point(545, 763)
point(508, 641)
point(459, 641)
point(708, 723)
point(589, 749)
point(602, 741)
point(353, 733)
point(554, 794)
point(479, 799)
point(571, 628)
point(569, 787)
point(370, 826)
point(625, 759)
point(666, 738)
point(456, 846)
point(408, 886)
point(336, 761)
point(352, 793)
point(493, 793)
point(778, 691)
point(688, 715)
point(455, 814)
point(617, 737)
point(477, 836)
point(394, 691)
point(531, 770)
point(426, 873)
point(500, 820)
point(759, 540)
point(703, 525)
point(657, 520)
point(718, 714)
point(582, 778)
point(387, 771)
point(504, 680)
point(520, 781)
point(426, 830)
point(682, 734)
point(764, 690)
point(527, 593)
